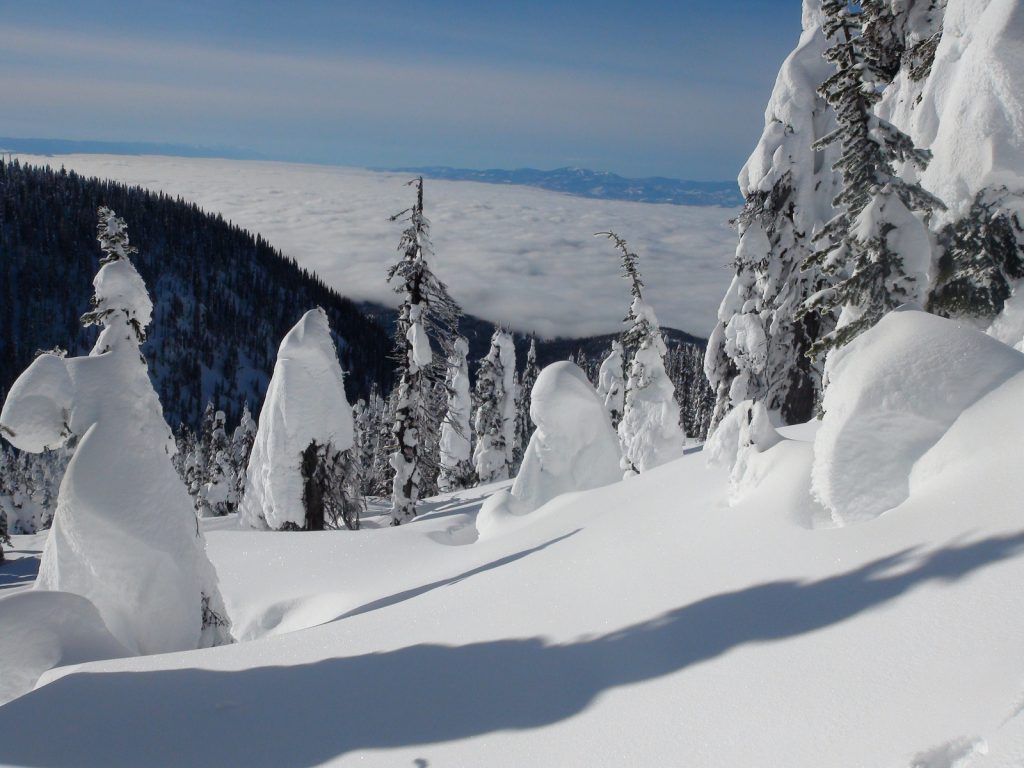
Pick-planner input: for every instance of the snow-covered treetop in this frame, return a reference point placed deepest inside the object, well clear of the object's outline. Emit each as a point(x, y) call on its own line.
point(630, 269)
point(121, 303)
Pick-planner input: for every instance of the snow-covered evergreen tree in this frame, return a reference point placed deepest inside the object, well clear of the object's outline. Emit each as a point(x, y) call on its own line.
point(302, 474)
point(217, 496)
point(649, 429)
point(456, 447)
point(982, 258)
point(759, 348)
point(427, 311)
point(877, 247)
point(611, 384)
point(242, 440)
point(524, 390)
point(124, 536)
point(495, 419)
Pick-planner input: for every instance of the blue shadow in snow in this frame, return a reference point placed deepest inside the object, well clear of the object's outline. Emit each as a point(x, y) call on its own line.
point(302, 715)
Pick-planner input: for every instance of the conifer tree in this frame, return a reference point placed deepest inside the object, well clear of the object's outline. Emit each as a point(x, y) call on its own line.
point(524, 391)
point(649, 430)
point(877, 247)
point(982, 258)
point(241, 447)
point(456, 435)
point(494, 423)
point(427, 311)
point(160, 593)
point(758, 349)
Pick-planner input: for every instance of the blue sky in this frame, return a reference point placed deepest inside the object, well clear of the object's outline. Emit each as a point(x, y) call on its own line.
point(673, 88)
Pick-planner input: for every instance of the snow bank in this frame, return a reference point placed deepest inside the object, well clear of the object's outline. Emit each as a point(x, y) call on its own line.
point(43, 630)
point(305, 402)
point(893, 392)
point(573, 448)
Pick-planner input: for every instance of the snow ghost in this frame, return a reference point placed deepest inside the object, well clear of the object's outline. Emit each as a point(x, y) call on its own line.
point(573, 448)
point(288, 485)
point(124, 535)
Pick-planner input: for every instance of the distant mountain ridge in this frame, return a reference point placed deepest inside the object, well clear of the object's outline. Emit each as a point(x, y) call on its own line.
point(598, 185)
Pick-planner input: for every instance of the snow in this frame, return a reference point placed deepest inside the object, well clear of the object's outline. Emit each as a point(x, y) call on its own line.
point(573, 448)
point(454, 447)
point(43, 630)
point(420, 355)
point(305, 402)
point(893, 392)
point(644, 622)
point(554, 278)
point(124, 535)
point(44, 394)
point(972, 113)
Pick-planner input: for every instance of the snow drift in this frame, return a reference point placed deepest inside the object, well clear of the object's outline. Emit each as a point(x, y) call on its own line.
point(893, 392)
point(305, 402)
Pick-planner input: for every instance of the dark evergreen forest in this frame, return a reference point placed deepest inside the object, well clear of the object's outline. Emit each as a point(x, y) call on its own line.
point(223, 297)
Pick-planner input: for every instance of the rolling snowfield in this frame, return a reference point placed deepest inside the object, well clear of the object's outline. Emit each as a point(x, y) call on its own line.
point(514, 255)
point(681, 617)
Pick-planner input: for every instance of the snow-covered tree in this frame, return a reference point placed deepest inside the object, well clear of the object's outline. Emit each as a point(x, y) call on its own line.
point(427, 311)
point(125, 535)
point(877, 248)
point(611, 386)
point(524, 390)
point(982, 258)
point(574, 447)
point(456, 447)
point(495, 419)
point(301, 472)
point(242, 440)
point(758, 349)
point(649, 430)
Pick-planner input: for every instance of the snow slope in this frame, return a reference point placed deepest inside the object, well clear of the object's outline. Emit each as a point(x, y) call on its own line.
point(644, 623)
point(515, 255)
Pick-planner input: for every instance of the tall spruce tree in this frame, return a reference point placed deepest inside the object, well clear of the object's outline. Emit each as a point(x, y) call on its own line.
point(427, 312)
point(649, 430)
point(877, 247)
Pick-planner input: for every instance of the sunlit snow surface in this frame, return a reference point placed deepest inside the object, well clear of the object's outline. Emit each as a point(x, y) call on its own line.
point(512, 255)
point(645, 623)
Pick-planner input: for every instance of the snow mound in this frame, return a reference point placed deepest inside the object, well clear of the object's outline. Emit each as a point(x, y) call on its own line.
point(893, 392)
point(43, 394)
point(43, 630)
point(305, 402)
point(574, 447)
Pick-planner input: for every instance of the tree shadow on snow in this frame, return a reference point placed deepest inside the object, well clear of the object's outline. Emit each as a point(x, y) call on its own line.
point(302, 715)
point(21, 571)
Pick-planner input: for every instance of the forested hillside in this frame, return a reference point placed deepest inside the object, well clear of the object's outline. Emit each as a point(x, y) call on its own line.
point(223, 297)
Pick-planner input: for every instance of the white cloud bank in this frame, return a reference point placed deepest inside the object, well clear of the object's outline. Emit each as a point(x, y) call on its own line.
point(515, 255)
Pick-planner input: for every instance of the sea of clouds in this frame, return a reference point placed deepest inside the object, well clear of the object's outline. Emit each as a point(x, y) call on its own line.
point(514, 255)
